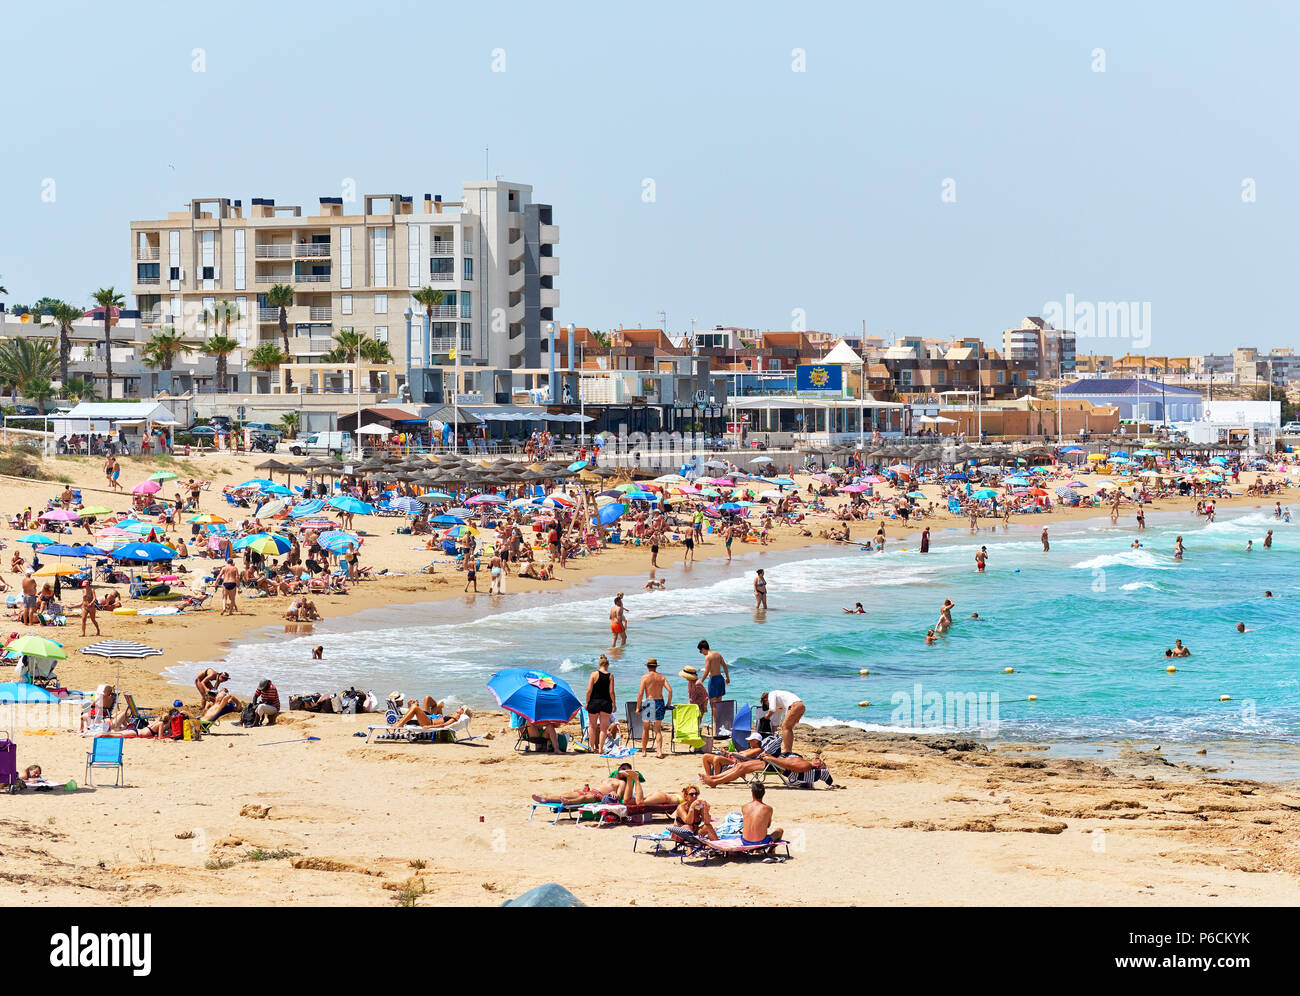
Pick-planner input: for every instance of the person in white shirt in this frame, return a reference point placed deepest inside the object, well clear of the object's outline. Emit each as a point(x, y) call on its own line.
point(791, 707)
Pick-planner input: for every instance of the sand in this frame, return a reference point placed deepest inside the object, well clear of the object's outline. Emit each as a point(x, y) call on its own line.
point(236, 820)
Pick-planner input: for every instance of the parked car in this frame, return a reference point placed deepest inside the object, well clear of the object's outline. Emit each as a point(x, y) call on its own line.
point(1291, 427)
point(265, 427)
point(203, 432)
point(332, 443)
point(27, 410)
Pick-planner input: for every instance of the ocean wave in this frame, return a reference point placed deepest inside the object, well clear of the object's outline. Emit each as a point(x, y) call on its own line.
point(1138, 585)
point(1141, 559)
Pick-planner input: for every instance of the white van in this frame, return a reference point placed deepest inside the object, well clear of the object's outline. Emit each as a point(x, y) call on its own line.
point(332, 443)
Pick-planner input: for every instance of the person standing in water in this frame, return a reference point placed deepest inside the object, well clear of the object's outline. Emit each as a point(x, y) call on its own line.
point(981, 558)
point(925, 540)
point(1268, 540)
point(760, 591)
point(617, 623)
point(1178, 548)
point(1046, 545)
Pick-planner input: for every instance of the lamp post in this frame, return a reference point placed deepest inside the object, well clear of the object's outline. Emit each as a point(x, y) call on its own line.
point(582, 398)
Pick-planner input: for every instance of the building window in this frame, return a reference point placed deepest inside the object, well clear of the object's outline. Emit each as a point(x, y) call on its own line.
point(465, 310)
point(381, 304)
point(381, 333)
point(413, 255)
point(239, 258)
point(1002, 376)
point(441, 264)
point(345, 257)
point(146, 271)
point(345, 303)
point(379, 256)
point(469, 268)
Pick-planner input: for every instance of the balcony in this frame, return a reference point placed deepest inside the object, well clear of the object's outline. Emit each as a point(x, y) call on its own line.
point(447, 248)
point(442, 278)
point(268, 314)
point(273, 278)
point(550, 298)
point(445, 344)
point(311, 278)
point(548, 266)
point(446, 311)
point(316, 313)
point(146, 254)
point(147, 281)
point(549, 234)
point(310, 345)
point(515, 281)
point(312, 250)
point(268, 251)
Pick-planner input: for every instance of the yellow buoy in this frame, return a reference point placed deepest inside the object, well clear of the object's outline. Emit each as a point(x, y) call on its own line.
point(1033, 698)
point(1008, 670)
point(864, 671)
point(1225, 698)
point(864, 702)
point(1171, 669)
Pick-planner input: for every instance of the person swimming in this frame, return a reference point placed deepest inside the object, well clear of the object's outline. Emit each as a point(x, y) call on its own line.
point(857, 610)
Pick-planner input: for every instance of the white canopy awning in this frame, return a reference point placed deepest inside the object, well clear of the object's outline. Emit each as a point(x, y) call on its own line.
point(373, 430)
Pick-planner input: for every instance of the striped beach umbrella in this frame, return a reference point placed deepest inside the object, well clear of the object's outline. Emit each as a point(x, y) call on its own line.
point(120, 648)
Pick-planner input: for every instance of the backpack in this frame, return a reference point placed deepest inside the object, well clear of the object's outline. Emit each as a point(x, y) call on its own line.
point(249, 716)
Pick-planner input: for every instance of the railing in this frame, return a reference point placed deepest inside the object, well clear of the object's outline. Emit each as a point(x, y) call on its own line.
point(446, 343)
point(314, 250)
point(267, 251)
point(312, 344)
point(268, 314)
point(446, 311)
point(273, 278)
point(151, 318)
point(319, 314)
point(441, 278)
point(311, 278)
point(442, 249)
point(146, 254)
point(148, 280)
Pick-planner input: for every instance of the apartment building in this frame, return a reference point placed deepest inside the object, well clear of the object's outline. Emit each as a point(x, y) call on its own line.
point(491, 254)
point(1048, 349)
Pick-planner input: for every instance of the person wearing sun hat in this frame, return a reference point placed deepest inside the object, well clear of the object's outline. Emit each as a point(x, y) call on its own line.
point(695, 691)
point(657, 696)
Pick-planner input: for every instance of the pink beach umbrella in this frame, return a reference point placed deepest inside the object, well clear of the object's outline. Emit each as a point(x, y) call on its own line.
point(855, 489)
point(487, 500)
point(60, 515)
point(146, 488)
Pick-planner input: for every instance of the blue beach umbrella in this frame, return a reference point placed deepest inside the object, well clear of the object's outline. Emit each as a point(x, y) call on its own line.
point(352, 506)
point(577, 465)
point(408, 505)
point(1119, 453)
point(537, 696)
point(956, 477)
point(338, 539)
point(641, 496)
point(22, 691)
point(276, 489)
point(742, 725)
point(916, 494)
point(731, 506)
point(263, 543)
point(784, 482)
point(60, 550)
point(986, 493)
point(611, 513)
point(36, 539)
point(437, 496)
point(150, 552)
point(306, 508)
point(256, 482)
point(447, 520)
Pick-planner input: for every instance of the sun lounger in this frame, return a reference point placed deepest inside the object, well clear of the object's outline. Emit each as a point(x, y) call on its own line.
point(414, 733)
point(735, 848)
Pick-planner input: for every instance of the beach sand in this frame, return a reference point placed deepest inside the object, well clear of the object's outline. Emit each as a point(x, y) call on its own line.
point(920, 820)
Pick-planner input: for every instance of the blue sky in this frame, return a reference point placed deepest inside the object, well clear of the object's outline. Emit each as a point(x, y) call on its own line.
point(776, 193)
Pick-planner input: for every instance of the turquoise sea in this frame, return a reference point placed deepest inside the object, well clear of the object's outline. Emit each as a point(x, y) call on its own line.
point(1084, 626)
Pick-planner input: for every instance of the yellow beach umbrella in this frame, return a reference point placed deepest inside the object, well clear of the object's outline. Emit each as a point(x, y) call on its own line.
point(49, 572)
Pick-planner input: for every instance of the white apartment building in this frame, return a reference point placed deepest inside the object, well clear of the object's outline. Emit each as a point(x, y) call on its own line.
point(491, 254)
point(1036, 340)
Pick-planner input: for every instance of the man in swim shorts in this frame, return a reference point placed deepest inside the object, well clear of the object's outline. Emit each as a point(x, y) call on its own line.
point(981, 558)
point(717, 676)
point(229, 578)
point(652, 692)
point(757, 827)
point(617, 623)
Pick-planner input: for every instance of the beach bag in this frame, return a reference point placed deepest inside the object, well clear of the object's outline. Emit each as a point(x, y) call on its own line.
point(176, 726)
point(249, 717)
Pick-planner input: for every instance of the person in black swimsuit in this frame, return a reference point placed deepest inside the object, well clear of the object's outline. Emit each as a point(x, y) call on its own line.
point(600, 704)
point(693, 813)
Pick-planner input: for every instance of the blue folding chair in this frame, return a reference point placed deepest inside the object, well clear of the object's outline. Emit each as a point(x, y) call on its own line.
point(105, 752)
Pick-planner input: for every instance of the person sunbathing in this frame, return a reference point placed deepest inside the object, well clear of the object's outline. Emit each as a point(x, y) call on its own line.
point(222, 704)
point(693, 813)
point(425, 721)
point(624, 786)
point(800, 771)
point(715, 765)
point(110, 601)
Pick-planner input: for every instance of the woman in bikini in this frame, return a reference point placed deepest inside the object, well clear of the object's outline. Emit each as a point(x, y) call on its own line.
point(693, 813)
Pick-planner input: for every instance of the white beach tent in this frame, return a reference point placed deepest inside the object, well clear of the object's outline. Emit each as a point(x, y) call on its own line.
point(842, 355)
point(374, 430)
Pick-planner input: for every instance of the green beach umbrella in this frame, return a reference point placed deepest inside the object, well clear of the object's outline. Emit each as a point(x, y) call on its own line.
point(36, 646)
point(96, 510)
point(163, 475)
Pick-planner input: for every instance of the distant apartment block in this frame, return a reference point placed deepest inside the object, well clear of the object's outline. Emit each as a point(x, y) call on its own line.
point(1048, 349)
point(355, 266)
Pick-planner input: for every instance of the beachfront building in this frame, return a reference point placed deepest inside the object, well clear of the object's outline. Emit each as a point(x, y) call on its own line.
point(1047, 349)
point(354, 265)
point(1138, 398)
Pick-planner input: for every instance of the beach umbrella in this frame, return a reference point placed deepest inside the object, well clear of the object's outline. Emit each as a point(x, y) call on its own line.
point(1037, 492)
point(256, 482)
point(62, 550)
point(577, 465)
point(316, 523)
point(640, 496)
point(762, 459)
point(137, 527)
point(96, 510)
point(57, 571)
point(25, 692)
point(267, 544)
point(551, 501)
point(670, 479)
point(35, 539)
point(114, 534)
point(855, 489)
point(611, 513)
point(408, 505)
point(436, 497)
point(873, 479)
point(146, 488)
point(488, 499)
point(206, 518)
point(458, 531)
point(1065, 491)
point(784, 482)
point(833, 469)
point(986, 493)
point(60, 515)
point(338, 541)
point(162, 475)
point(351, 505)
point(537, 696)
point(120, 648)
point(956, 477)
point(916, 494)
point(36, 646)
point(1145, 453)
point(451, 520)
point(1119, 453)
point(715, 465)
point(1096, 457)
point(306, 508)
point(276, 489)
point(150, 552)
point(271, 508)
point(732, 506)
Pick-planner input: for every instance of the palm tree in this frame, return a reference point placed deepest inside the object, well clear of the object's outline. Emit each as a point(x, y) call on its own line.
point(430, 299)
point(267, 357)
point(220, 346)
point(63, 316)
point(108, 298)
point(374, 351)
point(164, 346)
point(281, 296)
point(80, 389)
point(290, 421)
point(28, 364)
point(39, 390)
point(347, 342)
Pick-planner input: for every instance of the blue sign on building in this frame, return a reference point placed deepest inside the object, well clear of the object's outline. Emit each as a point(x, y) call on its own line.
point(819, 378)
